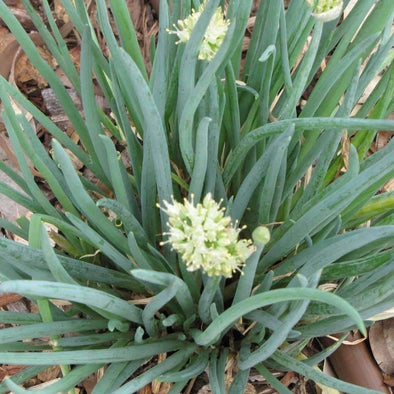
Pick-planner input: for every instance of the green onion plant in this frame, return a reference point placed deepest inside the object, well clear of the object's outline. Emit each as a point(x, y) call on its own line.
point(239, 206)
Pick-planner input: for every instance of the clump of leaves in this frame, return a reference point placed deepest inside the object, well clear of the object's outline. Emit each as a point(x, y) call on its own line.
point(246, 152)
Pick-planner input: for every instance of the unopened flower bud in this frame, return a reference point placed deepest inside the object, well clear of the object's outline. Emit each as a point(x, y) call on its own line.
point(261, 235)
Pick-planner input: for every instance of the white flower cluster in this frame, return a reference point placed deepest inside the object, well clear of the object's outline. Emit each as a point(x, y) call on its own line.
point(214, 34)
point(206, 238)
point(326, 10)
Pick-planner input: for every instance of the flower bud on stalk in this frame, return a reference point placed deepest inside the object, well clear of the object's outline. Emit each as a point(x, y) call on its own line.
point(261, 235)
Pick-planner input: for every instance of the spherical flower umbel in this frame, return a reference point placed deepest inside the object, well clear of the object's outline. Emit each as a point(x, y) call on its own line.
point(213, 36)
point(205, 237)
point(325, 10)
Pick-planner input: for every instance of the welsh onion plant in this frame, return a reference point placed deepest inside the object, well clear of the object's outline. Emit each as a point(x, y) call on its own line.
point(239, 207)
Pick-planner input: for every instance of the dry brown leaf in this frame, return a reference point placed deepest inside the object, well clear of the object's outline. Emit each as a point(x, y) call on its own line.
point(165, 388)
point(145, 25)
point(381, 338)
point(60, 12)
point(75, 54)
point(49, 373)
point(9, 209)
point(60, 303)
point(245, 43)
point(389, 380)
point(156, 385)
point(33, 307)
point(250, 389)
point(14, 3)
point(74, 159)
point(10, 370)
point(8, 48)
point(389, 186)
point(369, 89)
point(146, 389)
point(136, 8)
point(18, 306)
point(206, 389)
point(25, 72)
point(16, 7)
point(9, 298)
point(55, 109)
point(43, 385)
point(345, 149)
point(383, 138)
point(289, 378)
point(8, 152)
point(89, 383)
